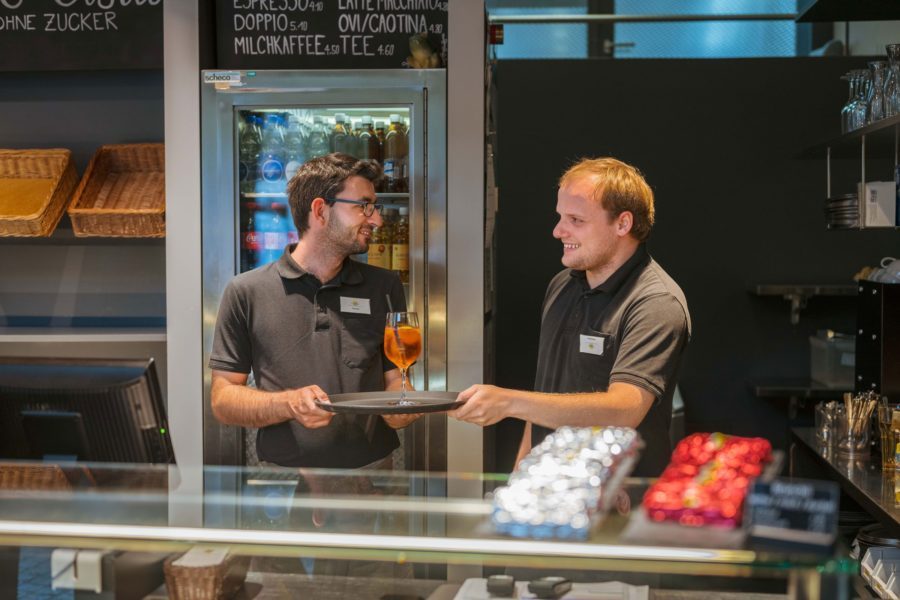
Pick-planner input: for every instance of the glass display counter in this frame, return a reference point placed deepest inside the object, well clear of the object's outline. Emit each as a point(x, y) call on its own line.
point(379, 533)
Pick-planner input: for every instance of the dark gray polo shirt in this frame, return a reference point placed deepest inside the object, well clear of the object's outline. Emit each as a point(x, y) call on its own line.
point(290, 330)
point(632, 328)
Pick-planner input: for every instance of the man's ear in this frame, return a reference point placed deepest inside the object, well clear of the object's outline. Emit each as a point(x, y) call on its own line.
point(624, 223)
point(317, 212)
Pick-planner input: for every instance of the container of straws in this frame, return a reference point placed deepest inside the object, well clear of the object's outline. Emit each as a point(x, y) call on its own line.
point(854, 423)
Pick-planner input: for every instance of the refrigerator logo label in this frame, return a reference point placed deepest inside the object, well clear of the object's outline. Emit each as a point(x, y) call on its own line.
point(220, 77)
point(272, 170)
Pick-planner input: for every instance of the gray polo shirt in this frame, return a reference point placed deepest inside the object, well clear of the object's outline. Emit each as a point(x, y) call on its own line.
point(632, 328)
point(290, 330)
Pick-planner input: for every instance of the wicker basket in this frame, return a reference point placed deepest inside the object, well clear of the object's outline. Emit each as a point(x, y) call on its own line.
point(217, 582)
point(35, 187)
point(122, 193)
point(32, 477)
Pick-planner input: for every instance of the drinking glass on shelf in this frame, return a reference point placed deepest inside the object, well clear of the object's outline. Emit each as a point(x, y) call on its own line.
point(825, 417)
point(892, 81)
point(402, 344)
point(860, 106)
point(847, 110)
point(875, 98)
point(889, 428)
point(852, 434)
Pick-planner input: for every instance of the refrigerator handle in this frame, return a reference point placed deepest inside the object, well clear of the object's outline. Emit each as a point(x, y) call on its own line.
point(425, 144)
point(424, 205)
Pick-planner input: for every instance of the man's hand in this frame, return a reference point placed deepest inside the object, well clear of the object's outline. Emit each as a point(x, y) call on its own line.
point(484, 405)
point(400, 421)
point(302, 406)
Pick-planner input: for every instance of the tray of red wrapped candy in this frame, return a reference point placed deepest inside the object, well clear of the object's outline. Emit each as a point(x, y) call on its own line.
point(703, 488)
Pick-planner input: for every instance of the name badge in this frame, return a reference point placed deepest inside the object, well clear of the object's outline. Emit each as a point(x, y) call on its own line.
point(359, 306)
point(591, 344)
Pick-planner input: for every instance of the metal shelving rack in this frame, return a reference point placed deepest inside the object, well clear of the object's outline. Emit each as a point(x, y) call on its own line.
point(875, 140)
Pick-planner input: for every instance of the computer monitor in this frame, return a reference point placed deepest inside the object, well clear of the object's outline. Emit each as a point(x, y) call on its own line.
point(90, 410)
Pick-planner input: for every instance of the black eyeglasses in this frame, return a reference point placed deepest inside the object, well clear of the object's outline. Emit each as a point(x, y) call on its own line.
point(368, 208)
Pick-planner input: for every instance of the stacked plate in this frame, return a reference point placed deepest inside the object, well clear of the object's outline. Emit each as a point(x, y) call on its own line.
point(842, 212)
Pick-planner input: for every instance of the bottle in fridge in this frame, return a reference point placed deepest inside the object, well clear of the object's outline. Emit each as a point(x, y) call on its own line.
point(396, 150)
point(271, 169)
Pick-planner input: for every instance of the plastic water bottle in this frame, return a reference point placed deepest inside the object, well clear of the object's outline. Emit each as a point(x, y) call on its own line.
point(294, 148)
point(249, 145)
point(317, 143)
point(272, 230)
point(271, 160)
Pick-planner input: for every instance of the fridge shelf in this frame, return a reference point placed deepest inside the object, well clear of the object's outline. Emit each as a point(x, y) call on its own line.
point(385, 195)
point(263, 195)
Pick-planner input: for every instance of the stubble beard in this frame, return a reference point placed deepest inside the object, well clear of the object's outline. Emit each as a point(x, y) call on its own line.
point(342, 241)
point(594, 262)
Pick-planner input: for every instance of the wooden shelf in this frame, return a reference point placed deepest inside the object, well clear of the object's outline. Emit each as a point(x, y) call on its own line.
point(64, 236)
point(805, 289)
point(880, 142)
point(796, 387)
point(799, 294)
point(80, 335)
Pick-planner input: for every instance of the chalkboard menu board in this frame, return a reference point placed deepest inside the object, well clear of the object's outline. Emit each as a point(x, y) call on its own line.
point(331, 34)
point(797, 511)
point(62, 35)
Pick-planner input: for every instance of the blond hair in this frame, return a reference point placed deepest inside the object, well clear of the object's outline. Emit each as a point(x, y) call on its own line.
point(619, 187)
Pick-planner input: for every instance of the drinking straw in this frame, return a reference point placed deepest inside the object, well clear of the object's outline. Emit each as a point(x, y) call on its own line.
point(400, 347)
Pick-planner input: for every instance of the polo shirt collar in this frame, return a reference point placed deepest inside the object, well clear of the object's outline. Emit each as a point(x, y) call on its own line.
point(617, 279)
point(288, 268)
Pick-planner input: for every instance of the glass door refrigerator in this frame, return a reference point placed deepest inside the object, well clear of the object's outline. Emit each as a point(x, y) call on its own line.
point(257, 128)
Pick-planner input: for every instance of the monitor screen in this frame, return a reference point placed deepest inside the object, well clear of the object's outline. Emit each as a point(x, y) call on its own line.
point(90, 410)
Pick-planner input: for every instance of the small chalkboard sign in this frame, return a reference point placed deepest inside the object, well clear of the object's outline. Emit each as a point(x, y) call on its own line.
point(792, 512)
point(332, 34)
point(65, 35)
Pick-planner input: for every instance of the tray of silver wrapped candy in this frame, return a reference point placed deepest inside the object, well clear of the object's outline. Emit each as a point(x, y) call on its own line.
point(566, 483)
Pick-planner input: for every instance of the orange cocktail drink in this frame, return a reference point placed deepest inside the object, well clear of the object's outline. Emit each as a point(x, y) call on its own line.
point(402, 345)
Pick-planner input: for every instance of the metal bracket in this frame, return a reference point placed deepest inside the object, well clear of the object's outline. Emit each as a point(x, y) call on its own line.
point(798, 303)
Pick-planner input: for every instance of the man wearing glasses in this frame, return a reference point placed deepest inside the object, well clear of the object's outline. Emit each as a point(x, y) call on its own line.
point(310, 324)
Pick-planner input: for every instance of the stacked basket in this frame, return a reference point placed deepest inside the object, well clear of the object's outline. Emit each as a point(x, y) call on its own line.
point(122, 193)
point(35, 187)
point(25, 477)
point(205, 574)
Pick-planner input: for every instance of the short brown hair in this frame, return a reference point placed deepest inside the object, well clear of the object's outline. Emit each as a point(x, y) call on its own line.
point(619, 187)
point(323, 177)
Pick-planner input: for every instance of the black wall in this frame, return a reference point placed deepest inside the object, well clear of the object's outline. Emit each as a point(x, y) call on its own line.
point(717, 141)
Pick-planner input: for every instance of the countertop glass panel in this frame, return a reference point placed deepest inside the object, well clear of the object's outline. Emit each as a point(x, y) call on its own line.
point(370, 515)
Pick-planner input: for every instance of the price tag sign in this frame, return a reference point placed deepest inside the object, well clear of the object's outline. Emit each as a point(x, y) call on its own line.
point(62, 35)
point(332, 34)
point(786, 512)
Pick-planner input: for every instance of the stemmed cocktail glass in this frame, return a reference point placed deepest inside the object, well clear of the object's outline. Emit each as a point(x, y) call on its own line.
point(402, 344)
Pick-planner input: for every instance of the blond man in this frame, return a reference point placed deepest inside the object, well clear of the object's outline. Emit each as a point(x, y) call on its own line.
point(614, 324)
